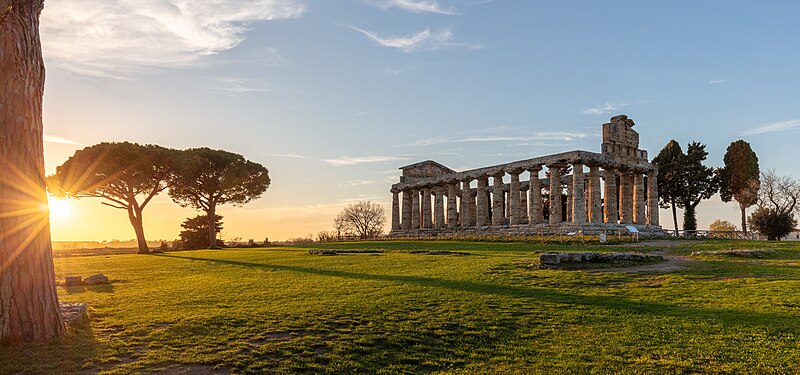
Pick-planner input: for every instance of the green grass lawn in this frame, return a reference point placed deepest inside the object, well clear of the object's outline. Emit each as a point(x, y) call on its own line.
point(398, 311)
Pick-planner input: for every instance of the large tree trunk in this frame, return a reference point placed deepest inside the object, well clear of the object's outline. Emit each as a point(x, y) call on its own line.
point(135, 217)
point(744, 219)
point(675, 217)
point(29, 309)
point(212, 226)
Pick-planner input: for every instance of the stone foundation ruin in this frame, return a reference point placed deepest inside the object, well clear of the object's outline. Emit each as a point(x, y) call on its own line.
point(433, 200)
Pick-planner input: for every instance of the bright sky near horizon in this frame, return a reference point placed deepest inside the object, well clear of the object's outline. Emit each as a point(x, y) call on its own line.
point(333, 96)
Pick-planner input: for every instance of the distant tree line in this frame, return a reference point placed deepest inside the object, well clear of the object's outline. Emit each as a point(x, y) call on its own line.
point(127, 176)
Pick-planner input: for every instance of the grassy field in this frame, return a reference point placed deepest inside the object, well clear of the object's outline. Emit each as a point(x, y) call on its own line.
point(400, 310)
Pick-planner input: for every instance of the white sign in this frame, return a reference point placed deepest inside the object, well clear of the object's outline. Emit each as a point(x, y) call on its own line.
point(632, 229)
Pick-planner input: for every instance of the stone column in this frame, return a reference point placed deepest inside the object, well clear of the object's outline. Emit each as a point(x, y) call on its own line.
point(568, 214)
point(523, 205)
point(452, 208)
point(438, 206)
point(578, 194)
point(535, 190)
point(482, 211)
point(652, 197)
point(465, 204)
point(497, 200)
point(415, 214)
point(513, 193)
point(426, 208)
point(626, 197)
point(555, 194)
point(473, 208)
point(595, 213)
point(610, 207)
point(638, 199)
point(405, 224)
point(395, 210)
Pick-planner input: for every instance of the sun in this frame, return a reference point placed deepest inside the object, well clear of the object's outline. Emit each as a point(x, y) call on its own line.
point(60, 209)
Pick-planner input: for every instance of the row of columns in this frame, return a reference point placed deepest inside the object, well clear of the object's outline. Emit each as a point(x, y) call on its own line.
point(629, 203)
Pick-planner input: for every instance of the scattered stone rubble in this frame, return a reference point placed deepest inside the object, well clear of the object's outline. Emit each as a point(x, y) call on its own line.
point(554, 259)
point(98, 279)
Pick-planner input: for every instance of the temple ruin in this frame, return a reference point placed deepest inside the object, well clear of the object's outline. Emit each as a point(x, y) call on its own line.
point(433, 200)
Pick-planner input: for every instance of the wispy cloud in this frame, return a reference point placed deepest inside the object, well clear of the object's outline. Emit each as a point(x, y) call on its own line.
point(421, 6)
point(358, 183)
point(117, 38)
point(237, 86)
point(774, 127)
point(425, 40)
point(566, 136)
point(291, 156)
point(410, 67)
point(429, 142)
point(604, 109)
point(719, 81)
point(347, 160)
point(55, 139)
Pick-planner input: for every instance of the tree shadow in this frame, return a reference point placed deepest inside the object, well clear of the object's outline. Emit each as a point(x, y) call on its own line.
point(74, 353)
point(101, 288)
point(616, 304)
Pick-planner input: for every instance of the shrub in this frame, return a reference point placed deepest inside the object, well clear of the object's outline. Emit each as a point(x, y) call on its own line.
point(772, 223)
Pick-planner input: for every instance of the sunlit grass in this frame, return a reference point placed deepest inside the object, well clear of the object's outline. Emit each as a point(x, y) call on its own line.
point(396, 311)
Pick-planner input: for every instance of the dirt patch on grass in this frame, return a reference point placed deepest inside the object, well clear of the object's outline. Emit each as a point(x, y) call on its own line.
point(659, 243)
point(671, 263)
point(737, 253)
point(275, 337)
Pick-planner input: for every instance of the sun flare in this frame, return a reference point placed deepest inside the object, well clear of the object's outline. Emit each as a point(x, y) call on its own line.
point(60, 209)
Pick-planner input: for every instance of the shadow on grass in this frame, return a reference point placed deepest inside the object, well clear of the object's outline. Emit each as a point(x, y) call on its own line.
point(104, 288)
point(75, 353)
point(615, 303)
point(740, 268)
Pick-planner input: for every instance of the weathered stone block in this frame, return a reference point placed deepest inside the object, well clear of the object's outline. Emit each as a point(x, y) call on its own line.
point(74, 313)
point(96, 279)
point(73, 281)
point(549, 258)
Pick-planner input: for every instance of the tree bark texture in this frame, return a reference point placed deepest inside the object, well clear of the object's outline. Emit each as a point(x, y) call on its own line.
point(212, 226)
point(744, 218)
point(135, 216)
point(29, 309)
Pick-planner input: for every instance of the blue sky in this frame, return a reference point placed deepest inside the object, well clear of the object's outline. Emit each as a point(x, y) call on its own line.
point(334, 96)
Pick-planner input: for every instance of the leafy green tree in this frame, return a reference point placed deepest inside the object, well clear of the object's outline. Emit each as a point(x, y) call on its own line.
point(683, 180)
point(739, 179)
point(772, 223)
point(125, 175)
point(195, 232)
point(670, 163)
point(700, 183)
point(722, 226)
point(204, 178)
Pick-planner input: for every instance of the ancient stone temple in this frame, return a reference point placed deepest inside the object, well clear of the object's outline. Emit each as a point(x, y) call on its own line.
point(575, 190)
